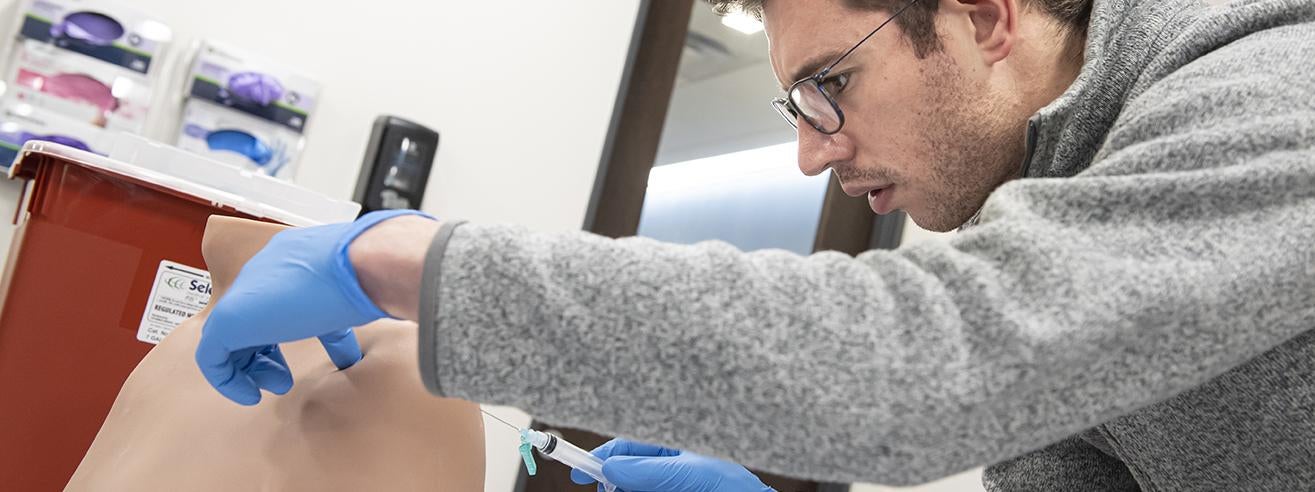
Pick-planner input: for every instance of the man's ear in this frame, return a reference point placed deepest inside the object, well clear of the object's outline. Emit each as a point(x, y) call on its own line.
point(995, 26)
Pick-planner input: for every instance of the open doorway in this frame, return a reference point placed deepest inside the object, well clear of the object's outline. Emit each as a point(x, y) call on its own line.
point(725, 166)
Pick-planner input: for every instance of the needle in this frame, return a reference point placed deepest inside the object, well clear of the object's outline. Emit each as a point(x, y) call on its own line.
point(495, 417)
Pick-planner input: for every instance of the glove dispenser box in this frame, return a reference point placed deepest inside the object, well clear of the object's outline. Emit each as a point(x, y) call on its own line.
point(105, 262)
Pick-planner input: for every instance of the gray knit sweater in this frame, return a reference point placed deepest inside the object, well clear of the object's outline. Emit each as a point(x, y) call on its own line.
point(1149, 290)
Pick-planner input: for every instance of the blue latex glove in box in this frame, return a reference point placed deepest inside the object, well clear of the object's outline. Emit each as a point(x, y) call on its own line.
point(639, 467)
point(300, 285)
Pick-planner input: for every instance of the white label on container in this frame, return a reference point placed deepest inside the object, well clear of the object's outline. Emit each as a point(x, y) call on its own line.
point(180, 292)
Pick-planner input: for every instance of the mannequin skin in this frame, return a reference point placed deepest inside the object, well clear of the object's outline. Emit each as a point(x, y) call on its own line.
point(372, 426)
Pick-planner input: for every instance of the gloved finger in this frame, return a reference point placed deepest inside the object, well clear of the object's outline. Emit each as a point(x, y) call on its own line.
point(275, 353)
point(663, 473)
point(603, 451)
point(220, 369)
point(625, 447)
point(580, 478)
point(342, 347)
point(269, 370)
point(621, 447)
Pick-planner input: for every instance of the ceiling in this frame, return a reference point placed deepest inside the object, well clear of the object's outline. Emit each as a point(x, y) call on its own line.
point(712, 48)
point(723, 87)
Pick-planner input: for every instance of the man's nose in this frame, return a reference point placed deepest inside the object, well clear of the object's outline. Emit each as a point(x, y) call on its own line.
point(819, 151)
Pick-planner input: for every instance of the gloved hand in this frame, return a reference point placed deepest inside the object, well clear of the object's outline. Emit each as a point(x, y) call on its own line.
point(301, 285)
point(639, 467)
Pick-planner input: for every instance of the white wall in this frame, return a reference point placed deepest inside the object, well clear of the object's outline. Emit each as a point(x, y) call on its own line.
point(914, 234)
point(485, 75)
point(522, 93)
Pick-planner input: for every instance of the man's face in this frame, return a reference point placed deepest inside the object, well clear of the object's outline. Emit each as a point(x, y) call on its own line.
point(931, 136)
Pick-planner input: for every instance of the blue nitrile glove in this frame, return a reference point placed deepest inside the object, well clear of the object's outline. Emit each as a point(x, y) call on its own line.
point(301, 285)
point(639, 467)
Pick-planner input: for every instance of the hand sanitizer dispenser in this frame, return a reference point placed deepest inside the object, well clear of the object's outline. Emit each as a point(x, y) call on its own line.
point(397, 164)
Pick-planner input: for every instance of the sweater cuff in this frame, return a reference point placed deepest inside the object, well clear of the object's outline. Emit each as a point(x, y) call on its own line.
point(429, 306)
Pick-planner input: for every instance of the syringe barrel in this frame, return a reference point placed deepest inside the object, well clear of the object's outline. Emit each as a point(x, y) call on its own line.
point(574, 457)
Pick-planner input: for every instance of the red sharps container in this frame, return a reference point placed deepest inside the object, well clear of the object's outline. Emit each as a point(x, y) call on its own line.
point(105, 262)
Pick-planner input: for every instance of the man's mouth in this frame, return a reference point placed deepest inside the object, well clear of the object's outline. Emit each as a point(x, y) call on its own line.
point(882, 199)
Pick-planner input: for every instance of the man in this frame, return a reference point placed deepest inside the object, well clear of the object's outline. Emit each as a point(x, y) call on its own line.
point(1130, 308)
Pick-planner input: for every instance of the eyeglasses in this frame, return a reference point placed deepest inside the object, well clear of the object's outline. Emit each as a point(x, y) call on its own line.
point(809, 98)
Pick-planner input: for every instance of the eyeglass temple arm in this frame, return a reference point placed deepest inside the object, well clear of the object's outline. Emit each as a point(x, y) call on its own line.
point(865, 39)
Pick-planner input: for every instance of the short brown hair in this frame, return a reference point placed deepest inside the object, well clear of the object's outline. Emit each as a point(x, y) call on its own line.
point(918, 21)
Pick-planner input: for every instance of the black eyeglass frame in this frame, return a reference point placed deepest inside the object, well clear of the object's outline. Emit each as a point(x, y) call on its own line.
point(789, 108)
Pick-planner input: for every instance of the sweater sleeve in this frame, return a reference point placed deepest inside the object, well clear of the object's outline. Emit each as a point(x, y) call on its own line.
point(1183, 251)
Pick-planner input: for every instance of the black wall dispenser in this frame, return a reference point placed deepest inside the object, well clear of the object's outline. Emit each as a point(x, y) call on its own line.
point(397, 164)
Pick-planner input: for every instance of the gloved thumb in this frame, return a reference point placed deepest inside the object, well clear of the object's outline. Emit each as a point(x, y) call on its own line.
point(342, 347)
point(664, 473)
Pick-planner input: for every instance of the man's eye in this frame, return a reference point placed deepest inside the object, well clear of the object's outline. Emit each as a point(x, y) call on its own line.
point(835, 84)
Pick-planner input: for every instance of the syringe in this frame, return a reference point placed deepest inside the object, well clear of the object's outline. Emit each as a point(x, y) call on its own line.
point(568, 454)
point(562, 451)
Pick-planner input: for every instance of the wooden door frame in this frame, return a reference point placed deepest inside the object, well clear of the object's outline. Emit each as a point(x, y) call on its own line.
point(640, 111)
